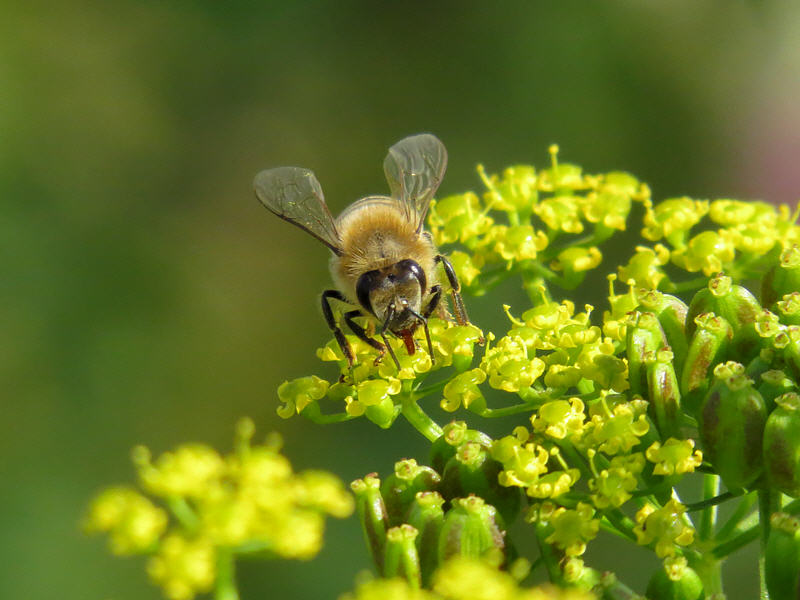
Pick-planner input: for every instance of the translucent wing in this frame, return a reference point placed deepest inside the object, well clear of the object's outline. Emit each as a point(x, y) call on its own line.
point(414, 168)
point(294, 194)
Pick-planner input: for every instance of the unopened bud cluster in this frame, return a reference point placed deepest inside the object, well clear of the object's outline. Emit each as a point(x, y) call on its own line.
point(420, 517)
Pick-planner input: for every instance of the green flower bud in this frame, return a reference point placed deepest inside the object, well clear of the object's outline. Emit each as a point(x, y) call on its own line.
point(782, 445)
point(577, 574)
point(708, 346)
point(789, 309)
point(401, 559)
point(400, 488)
point(732, 420)
point(664, 395)
point(473, 471)
point(782, 557)
point(675, 581)
point(774, 383)
point(453, 435)
point(372, 514)
point(375, 395)
point(470, 529)
point(671, 314)
point(788, 344)
point(736, 305)
point(644, 336)
point(783, 278)
point(760, 364)
point(426, 516)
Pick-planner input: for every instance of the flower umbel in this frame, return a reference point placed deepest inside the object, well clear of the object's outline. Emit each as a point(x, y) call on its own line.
point(248, 502)
point(684, 380)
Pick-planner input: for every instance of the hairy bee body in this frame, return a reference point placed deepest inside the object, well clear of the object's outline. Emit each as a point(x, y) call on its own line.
point(383, 261)
point(375, 236)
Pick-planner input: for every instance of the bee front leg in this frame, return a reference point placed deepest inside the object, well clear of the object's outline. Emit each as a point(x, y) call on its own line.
point(337, 332)
point(361, 334)
point(423, 318)
point(390, 313)
point(455, 288)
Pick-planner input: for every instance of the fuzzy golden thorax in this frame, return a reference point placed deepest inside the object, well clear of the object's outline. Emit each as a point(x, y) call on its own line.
point(375, 233)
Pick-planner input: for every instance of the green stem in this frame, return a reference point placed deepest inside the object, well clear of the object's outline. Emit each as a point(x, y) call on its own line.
point(534, 397)
point(432, 388)
point(508, 410)
point(419, 419)
point(183, 512)
point(709, 503)
point(548, 555)
point(709, 569)
point(732, 545)
point(622, 522)
point(607, 526)
point(225, 588)
point(741, 513)
point(768, 503)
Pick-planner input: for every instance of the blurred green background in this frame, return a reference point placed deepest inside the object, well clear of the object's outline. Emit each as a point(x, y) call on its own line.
point(148, 298)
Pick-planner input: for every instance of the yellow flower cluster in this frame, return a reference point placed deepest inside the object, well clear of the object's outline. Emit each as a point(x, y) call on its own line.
point(217, 507)
point(524, 211)
point(464, 579)
point(664, 527)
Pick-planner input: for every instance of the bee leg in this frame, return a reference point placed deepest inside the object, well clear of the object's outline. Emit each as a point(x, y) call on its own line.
point(337, 332)
point(423, 318)
point(390, 312)
point(455, 288)
point(361, 333)
point(433, 303)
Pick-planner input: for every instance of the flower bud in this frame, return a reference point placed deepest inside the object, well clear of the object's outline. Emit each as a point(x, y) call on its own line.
point(401, 487)
point(787, 342)
point(782, 557)
point(470, 529)
point(426, 516)
point(782, 445)
point(732, 420)
point(664, 395)
point(372, 514)
point(401, 558)
point(473, 471)
point(671, 314)
point(453, 435)
point(644, 336)
point(708, 346)
point(788, 309)
point(376, 397)
point(774, 383)
point(722, 297)
point(675, 581)
point(760, 364)
point(783, 278)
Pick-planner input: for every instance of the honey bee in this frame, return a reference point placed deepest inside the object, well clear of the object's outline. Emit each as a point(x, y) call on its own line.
point(383, 261)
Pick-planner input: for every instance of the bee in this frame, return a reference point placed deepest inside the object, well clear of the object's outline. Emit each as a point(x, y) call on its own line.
point(383, 262)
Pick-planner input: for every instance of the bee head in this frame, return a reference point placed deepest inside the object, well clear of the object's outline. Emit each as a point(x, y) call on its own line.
point(400, 286)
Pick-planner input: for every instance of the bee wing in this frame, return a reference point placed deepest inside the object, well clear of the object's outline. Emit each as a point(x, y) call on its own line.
point(295, 195)
point(414, 168)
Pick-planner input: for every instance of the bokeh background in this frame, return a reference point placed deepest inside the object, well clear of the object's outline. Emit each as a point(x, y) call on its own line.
point(146, 297)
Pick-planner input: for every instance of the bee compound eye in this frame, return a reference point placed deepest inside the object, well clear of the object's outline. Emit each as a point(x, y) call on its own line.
point(366, 283)
point(410, 268)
